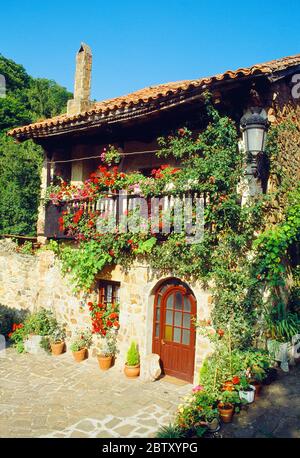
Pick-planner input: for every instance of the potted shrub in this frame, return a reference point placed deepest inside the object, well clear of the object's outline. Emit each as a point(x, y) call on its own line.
point(108, 351)
point(32, 335)
point(80, 345)
point(258, 375)
point(226, 405)
point(211, 417)
point(280, 329)
point(57, 340)
point(246, 391)
point(205, 403)
point(132, 365)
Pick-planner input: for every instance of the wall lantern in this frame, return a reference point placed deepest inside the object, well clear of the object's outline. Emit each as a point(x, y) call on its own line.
point(254, 128)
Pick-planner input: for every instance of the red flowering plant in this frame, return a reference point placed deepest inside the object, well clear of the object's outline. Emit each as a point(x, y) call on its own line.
point(14, 328)
point(105, 323)
point(105, 317)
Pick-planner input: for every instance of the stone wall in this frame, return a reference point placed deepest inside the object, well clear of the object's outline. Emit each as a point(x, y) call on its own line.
point(29, 282)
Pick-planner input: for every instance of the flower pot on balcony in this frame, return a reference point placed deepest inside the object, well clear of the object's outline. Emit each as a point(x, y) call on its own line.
point(57, 348)
point(105, 362)
point(80, 355)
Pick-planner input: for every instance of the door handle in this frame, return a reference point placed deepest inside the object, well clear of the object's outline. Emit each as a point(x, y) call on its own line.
point(163, 342)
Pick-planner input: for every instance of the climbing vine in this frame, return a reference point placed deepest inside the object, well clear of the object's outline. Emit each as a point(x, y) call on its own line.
point(228, 257)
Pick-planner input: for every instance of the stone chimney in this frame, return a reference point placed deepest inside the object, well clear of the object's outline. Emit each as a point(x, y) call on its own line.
point(82, 87)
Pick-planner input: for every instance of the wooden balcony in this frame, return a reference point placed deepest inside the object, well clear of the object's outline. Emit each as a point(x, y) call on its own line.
point(115, 206)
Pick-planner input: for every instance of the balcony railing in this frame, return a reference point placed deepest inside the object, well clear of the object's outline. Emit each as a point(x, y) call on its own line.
point(116, 206)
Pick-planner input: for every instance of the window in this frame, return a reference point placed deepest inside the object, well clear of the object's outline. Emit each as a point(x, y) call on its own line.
point(109, 292)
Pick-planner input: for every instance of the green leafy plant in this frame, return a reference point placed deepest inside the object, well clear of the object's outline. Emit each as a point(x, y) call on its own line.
point(110, 155)
point(82, 339)
point(282, 329)
point(109, 344)
point(45, 344)
point(244, 384)
point(170, 432)
point(229, 397)
point(57, 334)
point(133, 356)
point(42, 323)
point(26, 248)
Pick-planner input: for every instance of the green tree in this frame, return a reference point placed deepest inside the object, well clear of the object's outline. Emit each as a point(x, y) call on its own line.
point(47, 98)
point(27, 100)
point(19, 186)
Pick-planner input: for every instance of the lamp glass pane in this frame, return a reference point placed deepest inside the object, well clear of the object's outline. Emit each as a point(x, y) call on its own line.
point(255, 139)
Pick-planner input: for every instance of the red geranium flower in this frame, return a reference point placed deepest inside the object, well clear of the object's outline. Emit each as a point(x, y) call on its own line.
point(236, 380)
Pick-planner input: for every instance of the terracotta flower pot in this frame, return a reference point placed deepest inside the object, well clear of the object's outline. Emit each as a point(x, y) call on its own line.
point(228, 386)
point(226, 411)
point(79, 355)
point(132, 371)
point(104, 362)
point(57, 348)
point(258, 387)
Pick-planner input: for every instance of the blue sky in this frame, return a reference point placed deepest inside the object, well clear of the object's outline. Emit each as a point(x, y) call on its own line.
point(147, 42)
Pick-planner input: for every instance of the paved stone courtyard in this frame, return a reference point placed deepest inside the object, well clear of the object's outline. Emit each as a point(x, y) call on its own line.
point(45, 396)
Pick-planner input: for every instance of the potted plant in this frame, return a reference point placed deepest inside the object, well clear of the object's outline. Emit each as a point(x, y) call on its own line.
point(246, 391)
point(132, 365)
point(80, 345)
point(32, 336)
point(57, 340)
point(226, 405)
point(258, 375)
point(108, 351)
point(211, 417)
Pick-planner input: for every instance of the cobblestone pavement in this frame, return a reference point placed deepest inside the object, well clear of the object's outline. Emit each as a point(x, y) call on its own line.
point(275, 414)
point(46, 396)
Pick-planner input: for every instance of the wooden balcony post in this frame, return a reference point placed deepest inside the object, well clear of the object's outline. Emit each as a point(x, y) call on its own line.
point(45, 181)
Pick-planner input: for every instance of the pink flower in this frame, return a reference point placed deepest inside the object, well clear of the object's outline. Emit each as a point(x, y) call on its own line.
point(197, 388)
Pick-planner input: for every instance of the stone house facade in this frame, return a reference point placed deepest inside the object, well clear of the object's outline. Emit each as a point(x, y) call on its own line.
point(72, 143)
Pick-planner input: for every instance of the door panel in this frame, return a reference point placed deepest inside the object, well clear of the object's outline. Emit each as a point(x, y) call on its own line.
point(174, 331)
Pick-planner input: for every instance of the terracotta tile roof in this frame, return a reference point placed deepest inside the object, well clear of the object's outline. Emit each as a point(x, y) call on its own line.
point(152, 93)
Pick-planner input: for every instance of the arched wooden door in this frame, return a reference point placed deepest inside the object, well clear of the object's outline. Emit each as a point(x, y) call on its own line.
point(174, 333)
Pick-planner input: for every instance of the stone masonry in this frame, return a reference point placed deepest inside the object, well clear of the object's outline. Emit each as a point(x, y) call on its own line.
point(29, 282)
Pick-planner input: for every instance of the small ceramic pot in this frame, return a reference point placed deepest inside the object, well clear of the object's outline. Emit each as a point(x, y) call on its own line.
point(57, 348)
point(104, 362)
point(226, 411)
point(132, 371)
point(248, 395)
point(79, 355)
